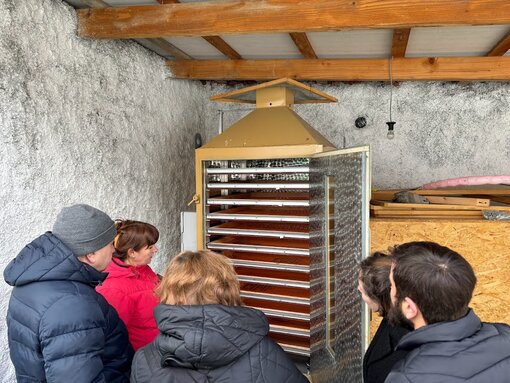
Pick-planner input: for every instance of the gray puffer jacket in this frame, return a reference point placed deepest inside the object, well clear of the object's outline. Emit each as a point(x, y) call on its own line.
point(212, 344)
point(465, 350)
point(59, 328)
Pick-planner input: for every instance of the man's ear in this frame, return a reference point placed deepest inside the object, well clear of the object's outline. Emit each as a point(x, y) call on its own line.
point(412, 313)
point(89, 258)
point(409, 308)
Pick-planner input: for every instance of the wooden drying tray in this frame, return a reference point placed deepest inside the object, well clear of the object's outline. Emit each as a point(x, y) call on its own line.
point(261, 199)
point(260, 184)
point(284, 195)
point(270, 258)
point(266, 242)
point(252, 213)
point(262, 229)
point(284, 291)
point(273, 274)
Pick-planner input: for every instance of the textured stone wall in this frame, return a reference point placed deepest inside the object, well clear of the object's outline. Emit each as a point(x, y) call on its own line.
point(87, 121)
point(443, 130)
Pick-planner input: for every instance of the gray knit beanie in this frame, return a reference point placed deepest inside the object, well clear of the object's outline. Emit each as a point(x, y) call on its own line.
point(84, 229)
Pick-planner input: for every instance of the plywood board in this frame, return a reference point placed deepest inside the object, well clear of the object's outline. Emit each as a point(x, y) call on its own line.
point(485, 244)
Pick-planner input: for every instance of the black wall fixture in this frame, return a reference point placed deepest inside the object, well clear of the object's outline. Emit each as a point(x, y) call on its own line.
point(360, 122)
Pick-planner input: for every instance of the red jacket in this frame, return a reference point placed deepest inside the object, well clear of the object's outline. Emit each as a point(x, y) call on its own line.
point(130, 290)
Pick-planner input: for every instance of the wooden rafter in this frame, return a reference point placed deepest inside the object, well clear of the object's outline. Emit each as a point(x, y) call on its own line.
point(162, 44)
point(303, 44)
point(399, 44)
point(233, 17)
point(215, 41)
point(443, 68)
point(95, 3)
point(170, 49)
point(223, 47)
point(502, 47)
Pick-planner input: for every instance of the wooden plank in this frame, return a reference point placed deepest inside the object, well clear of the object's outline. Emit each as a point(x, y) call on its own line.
point(505, 200)
point(427, 213)
point(215, 41)
point(459, 201)
point(303, 44)
point(382, 205)
point(234, 17)
point(501, 48)
point(483, 191)
point(223, 47)
point(444, 68)
point(170, 49)
point(159, 42)
point(95, 3)
point(399, 44)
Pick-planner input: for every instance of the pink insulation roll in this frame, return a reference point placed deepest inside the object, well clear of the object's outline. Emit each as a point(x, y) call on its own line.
point(469, 181)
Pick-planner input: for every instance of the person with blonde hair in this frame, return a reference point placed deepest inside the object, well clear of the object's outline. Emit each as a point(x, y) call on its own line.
point(130, 284)
point(206, 335)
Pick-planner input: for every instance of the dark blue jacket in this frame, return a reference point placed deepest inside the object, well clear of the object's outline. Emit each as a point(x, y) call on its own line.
point(464, 350)
point(213, 343)
point(59, 328)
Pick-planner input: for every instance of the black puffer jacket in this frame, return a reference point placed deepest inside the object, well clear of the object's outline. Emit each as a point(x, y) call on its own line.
point(212, 344)
point(381, 355)
point(59, 328)
point(465, 350)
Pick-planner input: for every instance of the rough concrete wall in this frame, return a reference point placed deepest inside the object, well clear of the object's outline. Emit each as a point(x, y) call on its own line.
point(443, 130)
point(87, 121)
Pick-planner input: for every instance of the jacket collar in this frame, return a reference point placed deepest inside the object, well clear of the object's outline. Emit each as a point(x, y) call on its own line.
point(46, 258)
point(207, 336)
point(442, 332)
point(119, 269)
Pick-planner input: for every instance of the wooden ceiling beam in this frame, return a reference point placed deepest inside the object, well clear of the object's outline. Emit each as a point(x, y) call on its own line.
point(234, 17)
point(215, 41)
point(502, 47)
point(303, 44)
point(435, 69)
point(162, 44)
point(399, 44)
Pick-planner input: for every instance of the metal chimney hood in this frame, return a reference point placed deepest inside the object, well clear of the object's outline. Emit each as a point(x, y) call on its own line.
point(273, 123)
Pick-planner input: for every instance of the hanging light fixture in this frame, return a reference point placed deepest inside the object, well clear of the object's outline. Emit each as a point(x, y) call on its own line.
point(391, 124)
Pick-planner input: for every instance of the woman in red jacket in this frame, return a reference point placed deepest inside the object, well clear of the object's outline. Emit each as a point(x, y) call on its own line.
point(130, 284)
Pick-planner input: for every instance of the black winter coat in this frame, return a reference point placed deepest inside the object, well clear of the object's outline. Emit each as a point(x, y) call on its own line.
point(381, 355)
point(59, 328)
point(464, 350)
point(212, 344)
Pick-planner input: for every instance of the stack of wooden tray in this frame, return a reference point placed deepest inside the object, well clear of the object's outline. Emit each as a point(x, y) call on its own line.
point(443, 203)
point(263, 226)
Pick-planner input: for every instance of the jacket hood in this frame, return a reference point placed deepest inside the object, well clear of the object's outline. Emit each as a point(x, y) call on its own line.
point(46, 258)
point(207, 336)
point(442, 332)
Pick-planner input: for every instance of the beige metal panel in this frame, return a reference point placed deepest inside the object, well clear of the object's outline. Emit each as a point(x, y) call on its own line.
point(279, 126)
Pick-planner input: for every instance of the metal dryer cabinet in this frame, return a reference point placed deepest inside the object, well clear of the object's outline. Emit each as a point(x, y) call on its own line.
point(292, 214)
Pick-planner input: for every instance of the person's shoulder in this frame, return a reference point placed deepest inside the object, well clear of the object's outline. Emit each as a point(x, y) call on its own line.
point(500, 329)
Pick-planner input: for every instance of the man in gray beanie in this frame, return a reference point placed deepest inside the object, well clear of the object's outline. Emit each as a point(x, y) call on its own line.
point(59, 328)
